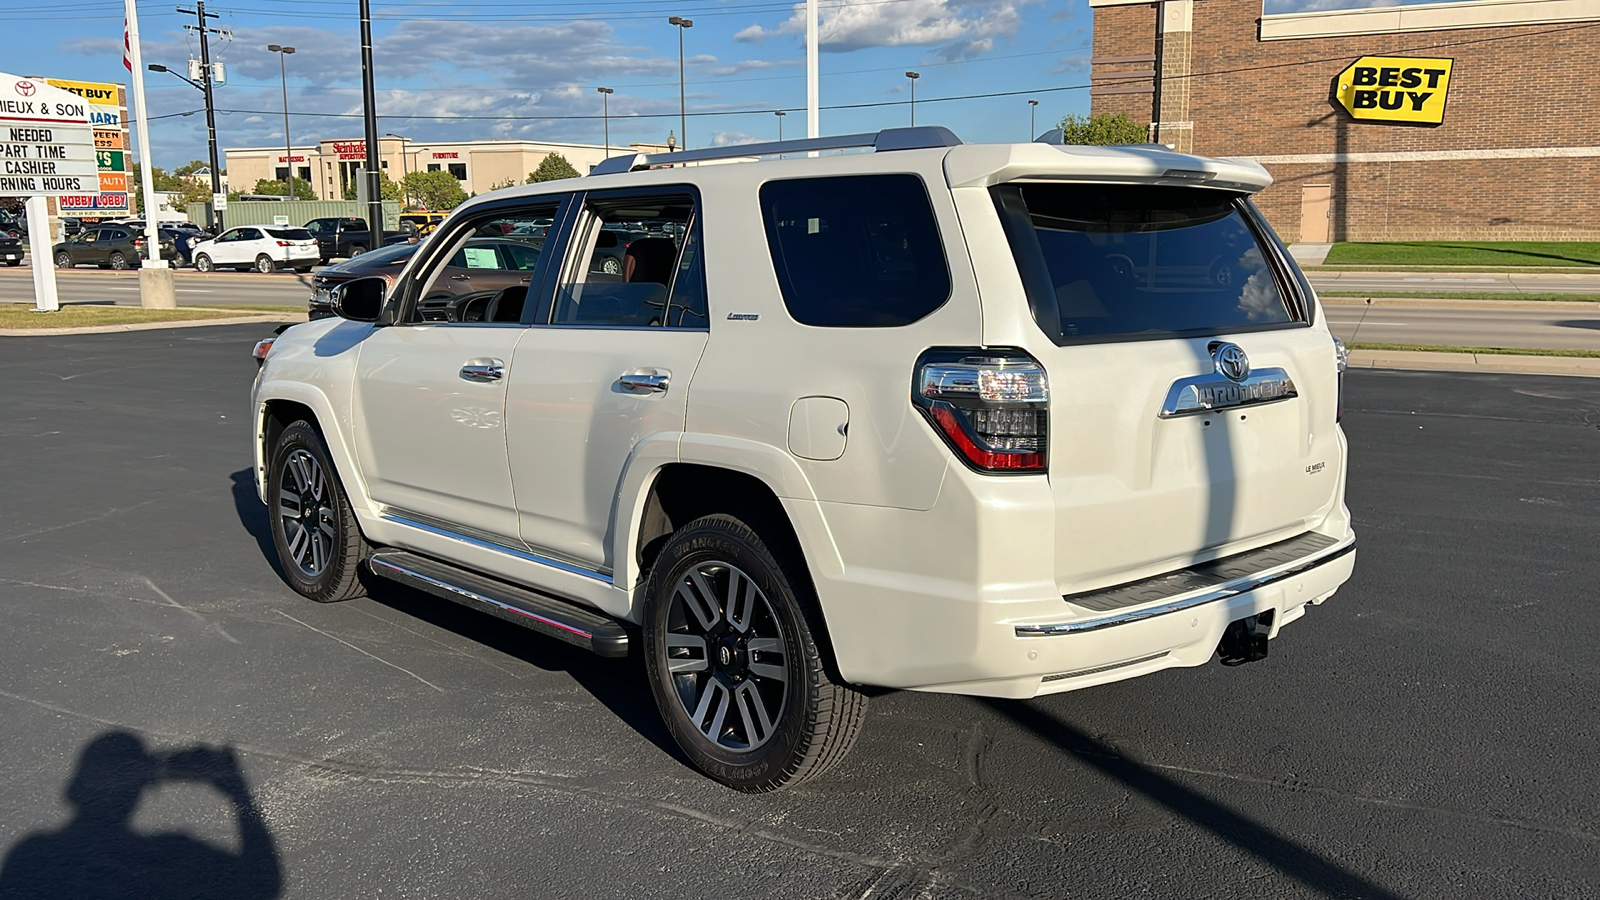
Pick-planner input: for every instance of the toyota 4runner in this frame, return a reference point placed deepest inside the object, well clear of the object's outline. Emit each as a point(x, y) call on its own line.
point(1000, 420)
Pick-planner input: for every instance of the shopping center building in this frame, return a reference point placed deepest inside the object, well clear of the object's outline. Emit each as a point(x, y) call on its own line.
point(1469, 120)
point(333, 166)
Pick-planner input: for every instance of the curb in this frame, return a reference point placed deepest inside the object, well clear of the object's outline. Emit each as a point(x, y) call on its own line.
point(1424, 302)
point(1499, 363)
point(267, 318)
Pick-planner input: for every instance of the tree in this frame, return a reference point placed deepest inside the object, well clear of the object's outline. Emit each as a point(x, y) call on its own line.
point(188, 190)
point(276, 188)
point(435, 190)
point(509, 182)
point(387, 190)
point(553, 167)
point(1103, 129)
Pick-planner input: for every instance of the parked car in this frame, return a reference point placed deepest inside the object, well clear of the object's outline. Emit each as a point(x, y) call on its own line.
point(13, 226)
point(970, 419)
point(10, 250)
point(339, 237)
point(423, 220)
point(106, 246)
point(265, 248)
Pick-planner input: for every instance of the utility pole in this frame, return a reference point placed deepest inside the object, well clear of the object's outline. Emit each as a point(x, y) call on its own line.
point(813, 91)
point(200, 17)
point(780, 114)
point(374, 175)
point(1033, 107)
point(683, 115)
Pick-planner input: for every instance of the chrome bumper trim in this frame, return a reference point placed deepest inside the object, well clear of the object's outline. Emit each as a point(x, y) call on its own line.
point(602, 577)
point(1210, 595)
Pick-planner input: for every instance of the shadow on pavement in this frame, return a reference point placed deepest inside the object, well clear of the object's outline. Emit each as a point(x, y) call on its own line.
point(1293, 860)
point(1578, 323)
point(98, 855)
point(253, 516)
point(619, 684)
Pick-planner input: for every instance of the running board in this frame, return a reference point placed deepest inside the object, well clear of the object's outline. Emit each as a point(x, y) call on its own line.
point(565, 621)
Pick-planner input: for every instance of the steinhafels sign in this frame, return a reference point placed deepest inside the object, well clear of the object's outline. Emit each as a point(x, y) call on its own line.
point(1399, 89)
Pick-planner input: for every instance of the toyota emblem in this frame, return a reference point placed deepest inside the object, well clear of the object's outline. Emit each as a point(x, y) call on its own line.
point(1231, 362)
point(26, 88)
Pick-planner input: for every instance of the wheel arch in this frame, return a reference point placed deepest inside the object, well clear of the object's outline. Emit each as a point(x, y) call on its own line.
point(279, 406)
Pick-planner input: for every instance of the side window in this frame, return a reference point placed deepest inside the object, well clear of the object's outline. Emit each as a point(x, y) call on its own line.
point(634, 265)
point(484, 269)
point(859, 251)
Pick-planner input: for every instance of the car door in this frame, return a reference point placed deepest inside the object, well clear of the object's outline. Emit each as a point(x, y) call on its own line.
point(608, 367)
point(94, 249)
point(246, 244)
point(223, 249)
point(429, 404)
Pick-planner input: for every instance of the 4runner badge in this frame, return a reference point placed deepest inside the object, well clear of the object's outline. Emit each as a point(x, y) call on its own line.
point(1231, 383)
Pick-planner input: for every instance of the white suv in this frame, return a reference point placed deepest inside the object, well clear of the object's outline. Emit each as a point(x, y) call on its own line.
point(990, 419)
point(265, 248)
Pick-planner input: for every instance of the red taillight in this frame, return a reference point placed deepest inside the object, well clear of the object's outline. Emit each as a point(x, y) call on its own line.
point(991, 406)
point(285, 244)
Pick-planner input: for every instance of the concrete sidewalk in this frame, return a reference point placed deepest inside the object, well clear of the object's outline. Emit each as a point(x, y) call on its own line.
point(1502, 363)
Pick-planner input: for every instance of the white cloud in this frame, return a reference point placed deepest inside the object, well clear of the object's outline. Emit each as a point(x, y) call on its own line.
point(966, 27)
point(730, 138)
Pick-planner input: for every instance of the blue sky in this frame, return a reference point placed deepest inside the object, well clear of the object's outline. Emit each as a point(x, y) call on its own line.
point(517, 58)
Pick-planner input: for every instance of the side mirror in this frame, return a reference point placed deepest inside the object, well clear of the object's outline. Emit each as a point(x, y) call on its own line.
point(361, 299)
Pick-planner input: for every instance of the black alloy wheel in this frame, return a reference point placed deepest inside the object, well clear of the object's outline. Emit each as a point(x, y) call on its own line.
point(117, 260)
point(64, 260)
point(733, 662)
point(319, 542)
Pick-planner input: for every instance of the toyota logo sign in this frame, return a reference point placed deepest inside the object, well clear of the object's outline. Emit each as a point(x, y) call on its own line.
point(1231, 362)
point(26, 88)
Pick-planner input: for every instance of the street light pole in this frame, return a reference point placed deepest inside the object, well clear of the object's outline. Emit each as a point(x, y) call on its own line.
point(683, 114)
point(1033, 107)
point(374, 175)
point(913, 76)
point(605, 114)
point(405, 164)
point(288, 145)
point(201, 16)
point(780, 114)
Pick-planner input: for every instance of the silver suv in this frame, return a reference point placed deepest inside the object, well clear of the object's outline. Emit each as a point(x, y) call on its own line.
point(878, 410)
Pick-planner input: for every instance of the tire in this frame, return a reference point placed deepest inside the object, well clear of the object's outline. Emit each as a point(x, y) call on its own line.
point(117, 261)
point(265, 265)
point(303, 489)
point(13, 262)
point(356, 250)
point(611, 265)
point(753, 729)
point(64, 260)
point(203, 263)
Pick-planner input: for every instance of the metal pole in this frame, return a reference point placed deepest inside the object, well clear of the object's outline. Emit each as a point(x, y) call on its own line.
point(155, 279)
point(780, 114)
point(605, 115)
point(211, 112)
point(683, 115)
point(813, 91)
point(369, 99)
point(913, 76)
point(288, 145)
point(1033, 107)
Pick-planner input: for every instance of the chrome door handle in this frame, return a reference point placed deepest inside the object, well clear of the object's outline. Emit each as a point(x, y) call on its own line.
point(483, 370)
point(460, 277)
point(640, 381)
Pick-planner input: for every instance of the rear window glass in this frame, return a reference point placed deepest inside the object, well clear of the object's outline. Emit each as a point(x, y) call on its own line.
point(1126, 260)
point(290, 234)
point(859, 251)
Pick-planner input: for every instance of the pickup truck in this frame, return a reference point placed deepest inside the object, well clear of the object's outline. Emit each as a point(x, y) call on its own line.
point(340, 237)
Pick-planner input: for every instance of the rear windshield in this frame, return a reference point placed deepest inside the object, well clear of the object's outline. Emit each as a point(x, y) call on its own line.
point(290, 234)
point(1104, 260)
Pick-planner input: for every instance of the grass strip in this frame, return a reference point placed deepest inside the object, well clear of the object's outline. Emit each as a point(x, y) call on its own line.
point(1463, 295)
point(17, 315)
point(1496, 351)
point(293, 310)
point(1466, 253)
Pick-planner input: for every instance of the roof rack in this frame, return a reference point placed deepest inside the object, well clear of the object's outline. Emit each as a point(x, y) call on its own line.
point(918, 138)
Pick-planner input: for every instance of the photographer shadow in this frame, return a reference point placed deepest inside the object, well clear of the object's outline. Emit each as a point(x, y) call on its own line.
point(99, 855)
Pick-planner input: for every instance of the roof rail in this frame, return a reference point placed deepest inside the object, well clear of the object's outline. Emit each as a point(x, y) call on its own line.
point(918, 138)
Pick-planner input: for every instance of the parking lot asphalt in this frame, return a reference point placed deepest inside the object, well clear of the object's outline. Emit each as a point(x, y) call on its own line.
point(171, 712)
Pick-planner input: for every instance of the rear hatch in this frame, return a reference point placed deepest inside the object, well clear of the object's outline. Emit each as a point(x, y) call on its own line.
point(1193, 401)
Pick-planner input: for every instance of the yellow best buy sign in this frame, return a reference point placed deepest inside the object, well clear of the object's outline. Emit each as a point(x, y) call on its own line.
point(1395, 89)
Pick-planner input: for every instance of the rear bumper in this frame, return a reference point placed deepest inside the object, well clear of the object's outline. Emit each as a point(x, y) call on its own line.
point(967, 612)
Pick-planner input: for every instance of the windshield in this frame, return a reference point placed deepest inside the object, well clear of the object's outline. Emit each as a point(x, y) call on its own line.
point(1104, 260)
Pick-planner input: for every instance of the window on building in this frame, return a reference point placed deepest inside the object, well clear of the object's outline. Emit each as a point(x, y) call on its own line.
point(304, 174)
point(855, 252)
point(433, 167)
point(280, 173)
point(458, 171)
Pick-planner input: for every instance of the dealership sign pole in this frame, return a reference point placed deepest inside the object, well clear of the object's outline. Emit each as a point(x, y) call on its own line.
point(46, 150)
point(156, 288)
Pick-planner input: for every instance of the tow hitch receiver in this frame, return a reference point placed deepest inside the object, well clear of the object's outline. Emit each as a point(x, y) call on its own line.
point(1245, 640)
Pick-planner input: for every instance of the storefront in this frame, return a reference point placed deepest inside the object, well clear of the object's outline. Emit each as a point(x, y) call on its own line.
point(1469, 120)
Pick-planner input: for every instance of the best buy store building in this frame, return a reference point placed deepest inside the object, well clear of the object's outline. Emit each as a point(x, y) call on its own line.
point(1475, 120)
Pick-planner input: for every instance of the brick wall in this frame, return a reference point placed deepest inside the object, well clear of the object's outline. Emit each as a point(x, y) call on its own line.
point(1528, 86)
point(1123, 62)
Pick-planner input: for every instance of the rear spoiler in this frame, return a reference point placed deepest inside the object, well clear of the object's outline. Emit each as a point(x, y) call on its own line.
point(985, 165)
